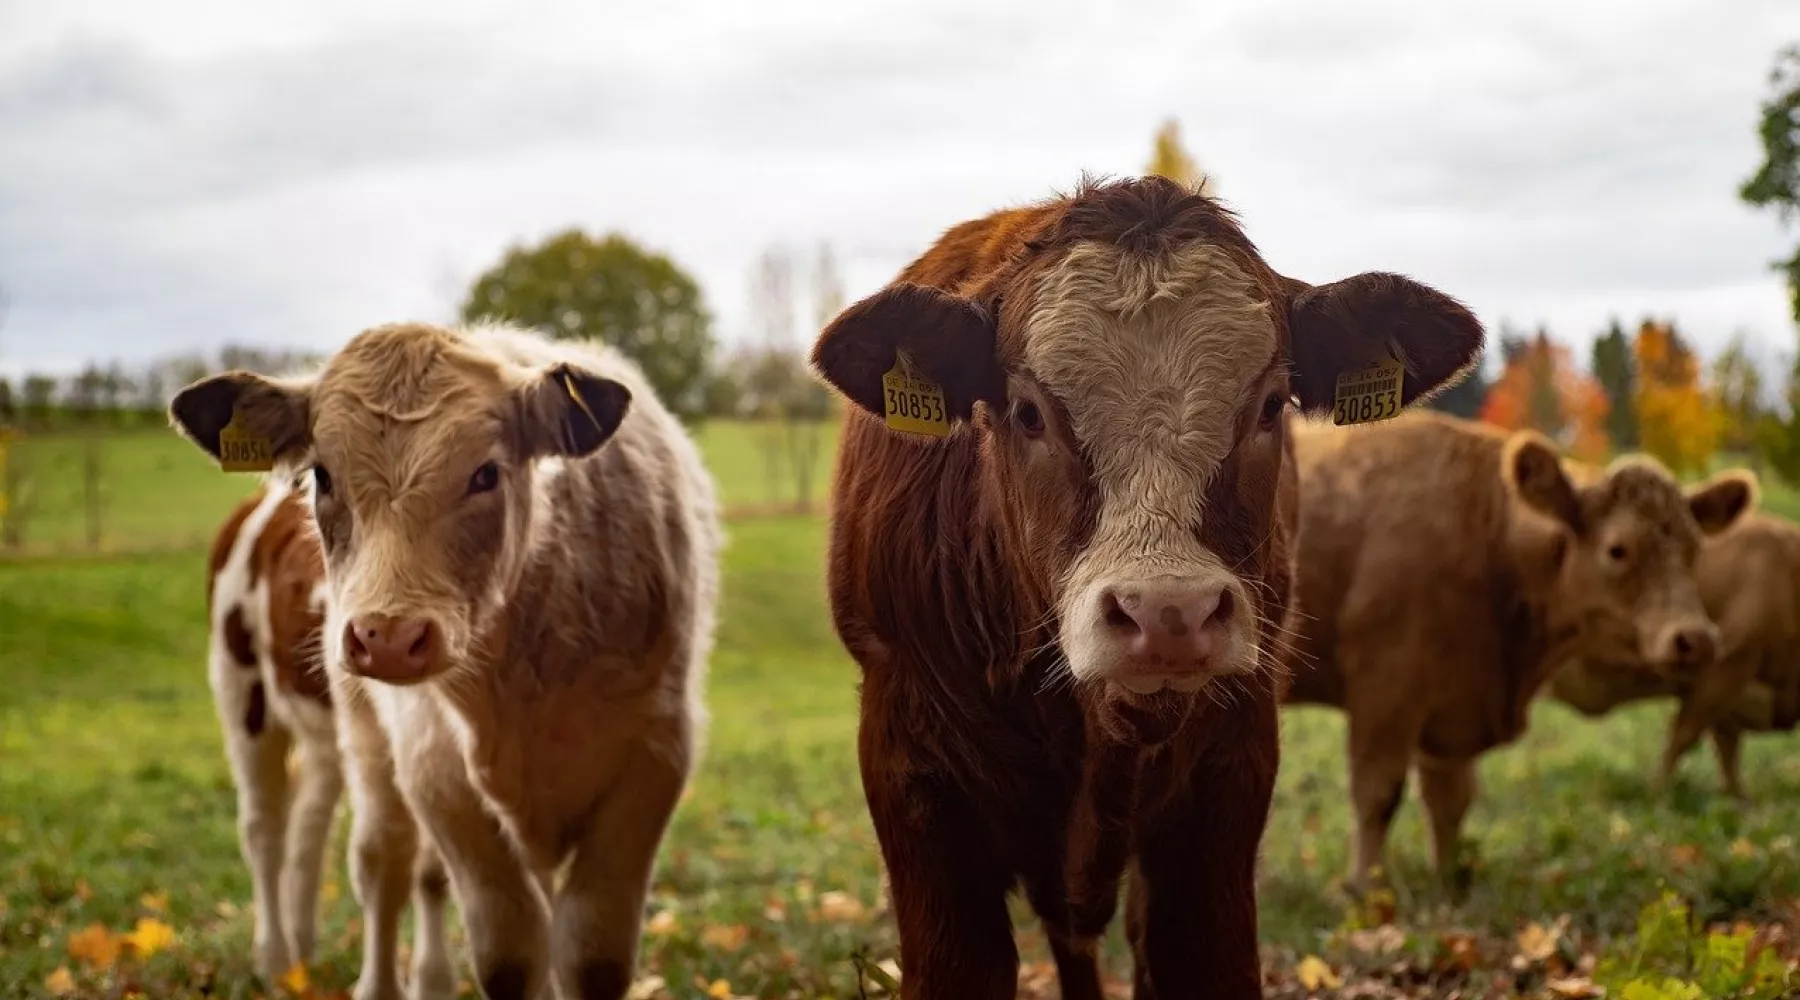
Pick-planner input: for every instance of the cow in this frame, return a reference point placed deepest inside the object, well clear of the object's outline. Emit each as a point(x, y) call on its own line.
point(1060, 591)
point(265, 599)
point(521, 572)
point(1749, 579)
point(1446, 567)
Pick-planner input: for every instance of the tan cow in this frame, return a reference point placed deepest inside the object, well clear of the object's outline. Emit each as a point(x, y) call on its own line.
point(1749, 579)
point(266, 607)
point(1444, 567)
point(521, 551)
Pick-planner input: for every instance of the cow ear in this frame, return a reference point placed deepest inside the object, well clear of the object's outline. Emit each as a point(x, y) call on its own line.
point(947, 339)
point(1533, 467)
point(274, 414)
point(570, 411)
point(1347, 325)
point(1720, 501)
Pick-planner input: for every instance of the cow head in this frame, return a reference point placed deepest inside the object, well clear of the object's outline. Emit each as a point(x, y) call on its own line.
point(421, 446)
point(1623, 554)
point(1127, 380)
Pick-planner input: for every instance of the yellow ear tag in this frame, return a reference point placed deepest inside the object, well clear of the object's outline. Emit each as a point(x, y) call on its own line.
point(242, 451)
point(1370, 394)
point(912, 402)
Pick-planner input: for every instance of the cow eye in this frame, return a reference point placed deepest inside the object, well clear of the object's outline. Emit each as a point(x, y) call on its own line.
point(1030, 418)
point(321, 481)
point(1617, 553)
point(1272, 408)
point(485, 478)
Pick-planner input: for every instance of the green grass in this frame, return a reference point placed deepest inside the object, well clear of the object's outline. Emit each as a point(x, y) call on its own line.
point(113, 783)
point(155, 490)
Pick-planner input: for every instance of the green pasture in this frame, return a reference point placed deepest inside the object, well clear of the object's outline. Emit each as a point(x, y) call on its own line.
point(116, 804)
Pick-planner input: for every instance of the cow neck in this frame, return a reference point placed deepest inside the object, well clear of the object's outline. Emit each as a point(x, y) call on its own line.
point(1541, 625)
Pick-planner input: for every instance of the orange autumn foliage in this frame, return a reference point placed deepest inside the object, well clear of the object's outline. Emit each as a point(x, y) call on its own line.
point(1677, 421)
point(1542, 388)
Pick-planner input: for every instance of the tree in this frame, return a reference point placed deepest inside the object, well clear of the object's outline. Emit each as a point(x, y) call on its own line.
point(1542, 388)
point(608, 289)
point(1168, 159)
point(1737, 391)
point(1614, 368)
point(38, 394)
point(1465, 398)
point(1676, 421)
point(1776, 183)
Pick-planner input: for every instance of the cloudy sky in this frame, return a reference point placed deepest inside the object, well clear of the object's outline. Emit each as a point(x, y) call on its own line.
point(184, 174)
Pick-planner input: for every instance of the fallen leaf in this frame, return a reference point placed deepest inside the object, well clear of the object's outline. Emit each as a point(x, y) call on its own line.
point(719, 990)
point(774, 910)
point(891, 967)
point(726, 937)
point(645, 988)
point(1378, 941)
point(150, 936)
point(95, 945)
point(1536, 942)
point(1314, 974)
point(1459, 952)
point(663, 924)
point(60, 983)
point(296, 980)
point(1741, 848)
point(1574, 988)
point(83, 891)
point(840, 907)
point(1684, 854)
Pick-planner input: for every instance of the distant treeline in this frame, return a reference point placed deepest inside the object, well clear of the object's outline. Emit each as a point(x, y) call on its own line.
point(117, 395)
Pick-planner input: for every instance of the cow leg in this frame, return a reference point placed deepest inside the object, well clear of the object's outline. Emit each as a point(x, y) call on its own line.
point(1380, 753)
point(1728, 741)
point(258, 752)
point(1074, 938)
point(383, 839)
point(1193, 889)
point(1447, 787)
point(433, 978)
point(1690, 722)
point(948, 887)
point(599, 912)
point(309, 828)
point(504, 911)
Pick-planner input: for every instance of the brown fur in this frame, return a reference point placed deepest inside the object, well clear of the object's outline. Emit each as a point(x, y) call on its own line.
point(1749, 578)
point(1445, 568)
point(986, 762)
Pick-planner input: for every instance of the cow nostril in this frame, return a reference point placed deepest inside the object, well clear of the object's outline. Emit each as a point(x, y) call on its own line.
point(422, 645)
point(354, 645)
point(1222, 613)
point(1684, 647)
point(1115, 615)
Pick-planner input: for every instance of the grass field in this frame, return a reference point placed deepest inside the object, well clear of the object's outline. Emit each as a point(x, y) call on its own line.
point(116, 808)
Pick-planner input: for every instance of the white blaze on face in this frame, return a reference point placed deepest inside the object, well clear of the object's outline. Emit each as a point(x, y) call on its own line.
point(1154, 360)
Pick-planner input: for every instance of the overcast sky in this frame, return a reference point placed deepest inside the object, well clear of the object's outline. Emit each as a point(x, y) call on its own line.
point(183, 174)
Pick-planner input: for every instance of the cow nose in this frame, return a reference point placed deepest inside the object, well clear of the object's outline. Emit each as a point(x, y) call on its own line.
point(1178, 626)
point(1694, 646)
point(399, 650)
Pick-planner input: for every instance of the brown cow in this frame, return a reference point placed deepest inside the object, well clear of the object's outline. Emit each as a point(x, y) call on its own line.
point(1444, 567)
point(1062, 605)
point(266, 602)
point(521, 565)
point(1749, 579)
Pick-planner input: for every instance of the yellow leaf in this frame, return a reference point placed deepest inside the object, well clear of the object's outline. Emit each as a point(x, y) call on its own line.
point(95, 945)
point(155, 902)
point(719, 990)
point(1536, 943)
point(645, 988)
point(150, 936)
point(60, 983)
point(1314, 974)
point(1741, 848)
point(726, 937)
point(1574, 988)
point(295, 979)
point(663, 924)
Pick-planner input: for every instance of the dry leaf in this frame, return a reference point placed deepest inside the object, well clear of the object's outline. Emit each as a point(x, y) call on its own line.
point(1378, 941)
point(840, 907)
point(60, 983)
point(1741, 848)
point(719, 990)
point(155, 902)
point(645, 988)
point(1314, 974)
point(1684, 854)
point(95, 945)
point(1536, 942)
point(1574, 988)
point(150, 936)
point(295, 980)
point(726, 937)
point(663, 924)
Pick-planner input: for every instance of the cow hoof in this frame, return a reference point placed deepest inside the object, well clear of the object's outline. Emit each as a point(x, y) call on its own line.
point(389, 990)
point(272, 961)
point(437, 983)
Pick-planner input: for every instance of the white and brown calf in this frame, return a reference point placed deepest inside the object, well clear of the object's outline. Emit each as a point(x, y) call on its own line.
point(521, 564)
point(265, 608)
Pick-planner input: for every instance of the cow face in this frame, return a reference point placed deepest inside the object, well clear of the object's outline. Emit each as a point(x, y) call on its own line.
point(1127, 381)
point(1624, 556)
point(420, 449)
